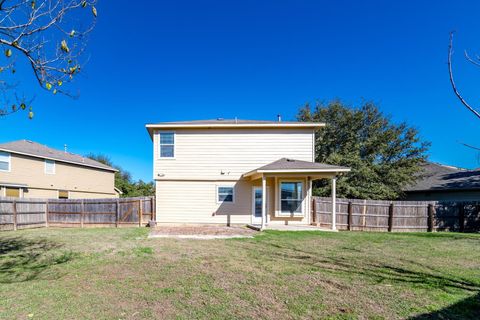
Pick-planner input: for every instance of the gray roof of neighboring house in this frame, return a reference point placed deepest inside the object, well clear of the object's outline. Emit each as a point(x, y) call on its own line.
point(34, 149)
point(436, 177)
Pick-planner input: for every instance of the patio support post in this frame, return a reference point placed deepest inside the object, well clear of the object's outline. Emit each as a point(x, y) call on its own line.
point(264, 201)
point(334, 203)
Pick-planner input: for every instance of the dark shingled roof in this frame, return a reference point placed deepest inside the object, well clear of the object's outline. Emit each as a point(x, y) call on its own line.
point(38, 150)
point(226, 121)
point(292, 164)
point(435, 177)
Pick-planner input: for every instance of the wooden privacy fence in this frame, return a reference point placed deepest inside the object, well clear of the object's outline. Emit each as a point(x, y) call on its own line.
point(380, 215)
point(16, 213)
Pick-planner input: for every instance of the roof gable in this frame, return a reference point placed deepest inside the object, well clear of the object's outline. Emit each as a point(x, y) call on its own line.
point(30, 148)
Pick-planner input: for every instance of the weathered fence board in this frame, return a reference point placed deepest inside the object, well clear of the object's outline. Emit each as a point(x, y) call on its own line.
point(29, 213)
point(381, 215)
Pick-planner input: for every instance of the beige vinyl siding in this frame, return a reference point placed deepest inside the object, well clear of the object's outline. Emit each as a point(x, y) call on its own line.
point(203, 154)
point(196, 202)
point(86, 181)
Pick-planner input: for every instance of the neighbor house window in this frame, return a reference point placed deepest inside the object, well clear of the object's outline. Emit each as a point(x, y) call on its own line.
point(4, 161)
point(291, 197)
point(62, 194)
point(225, 194)
point(167, 144)
point(49, 166)
point(12, 192)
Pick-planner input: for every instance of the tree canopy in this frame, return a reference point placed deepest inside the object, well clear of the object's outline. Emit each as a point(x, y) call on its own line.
point(384, 156)
point(124, 181)
point(50, 37)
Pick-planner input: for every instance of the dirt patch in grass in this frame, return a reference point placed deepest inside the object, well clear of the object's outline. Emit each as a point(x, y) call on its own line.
point(192, 230)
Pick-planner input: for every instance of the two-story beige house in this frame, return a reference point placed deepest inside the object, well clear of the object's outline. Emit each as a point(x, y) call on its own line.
point(32, 170)
point(236, 171)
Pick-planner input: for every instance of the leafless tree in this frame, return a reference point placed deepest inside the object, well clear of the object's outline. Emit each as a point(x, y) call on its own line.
point(475, 62)
point(50, 36)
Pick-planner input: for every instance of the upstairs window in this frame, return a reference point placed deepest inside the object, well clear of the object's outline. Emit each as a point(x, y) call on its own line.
point(167, 144)
point(4, 161)
point(49, 166)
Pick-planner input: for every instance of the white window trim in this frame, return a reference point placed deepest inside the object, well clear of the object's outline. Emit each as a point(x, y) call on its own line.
point(159, 157)
point(9, 155)
point(224, 186)
point(58, 194)
point(279, 198)
point(54, 166)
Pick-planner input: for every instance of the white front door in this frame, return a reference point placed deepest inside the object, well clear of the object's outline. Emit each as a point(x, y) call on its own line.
point(257, 205)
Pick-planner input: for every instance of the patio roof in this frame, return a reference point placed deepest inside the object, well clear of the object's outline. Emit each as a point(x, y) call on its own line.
point(286, 165)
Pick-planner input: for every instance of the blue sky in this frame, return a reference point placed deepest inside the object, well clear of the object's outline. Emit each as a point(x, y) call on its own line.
point(157, 61)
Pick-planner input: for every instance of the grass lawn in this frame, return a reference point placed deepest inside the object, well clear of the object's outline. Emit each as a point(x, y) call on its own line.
point(120, 274)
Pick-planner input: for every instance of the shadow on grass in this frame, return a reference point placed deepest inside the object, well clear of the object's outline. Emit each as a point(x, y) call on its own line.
point(24, 259)
point(376, 271)
point(465, 309)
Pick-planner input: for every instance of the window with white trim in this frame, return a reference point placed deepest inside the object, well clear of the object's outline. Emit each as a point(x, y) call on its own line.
point(4, 161)
point(291, 194)
point(49, 166)
point(225, 194)
point(166, 144)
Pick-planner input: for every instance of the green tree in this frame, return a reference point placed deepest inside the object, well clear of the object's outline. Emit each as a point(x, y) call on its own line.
point(124, 181)
point(384, 156)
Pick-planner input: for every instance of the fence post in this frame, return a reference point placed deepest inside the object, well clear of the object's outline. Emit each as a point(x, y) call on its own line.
point(350, 216)
point(461, 216)
point(314, 211)
point(140, 212)
point(14, 215)
point(430, 222)
point(154, 209)
point(46, 213)
point(390, 217)
point(117, 213)
point(364, 214)
point(82, 208)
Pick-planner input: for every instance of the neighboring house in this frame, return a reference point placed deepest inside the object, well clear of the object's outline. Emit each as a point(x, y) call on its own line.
point(236, 171)
point(442, 182)
point(32, 170)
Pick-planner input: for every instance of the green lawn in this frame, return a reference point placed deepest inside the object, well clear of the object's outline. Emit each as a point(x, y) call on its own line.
point(120, 274)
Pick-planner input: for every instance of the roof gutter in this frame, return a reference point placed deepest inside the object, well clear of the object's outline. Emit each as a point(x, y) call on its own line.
point(278, 125)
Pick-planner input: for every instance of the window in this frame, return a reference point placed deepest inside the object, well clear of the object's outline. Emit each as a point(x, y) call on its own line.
point(62, 194)
point(167, 144)
point(4, 161)
point(12, 192)
point(291, 195)
point(49, 166)
point(224, 194)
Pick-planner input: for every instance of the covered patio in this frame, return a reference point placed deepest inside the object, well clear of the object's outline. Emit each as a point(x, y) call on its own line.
point(282, 191)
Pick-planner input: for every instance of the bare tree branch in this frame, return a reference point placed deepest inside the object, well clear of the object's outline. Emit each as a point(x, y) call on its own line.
point(459, 96)
point(50, 36)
